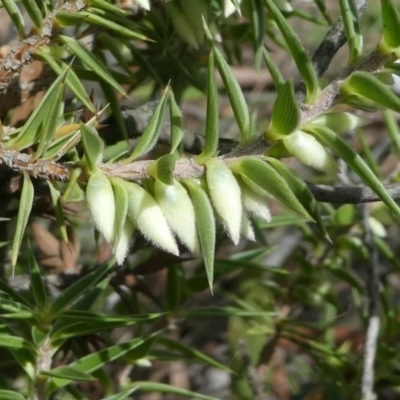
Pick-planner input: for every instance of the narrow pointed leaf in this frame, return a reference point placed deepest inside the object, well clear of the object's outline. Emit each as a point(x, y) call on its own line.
point(32, 130)
point(285, 113)
point(121, 207)
point(101, 202)
point(11, 395)
point(149, 137)
point(352, 29)
point(114, 107)
point(73, 292)
point(112, 26)
point(182, 25)
point(235, 94)
point(163, 168)
point(159, 387)
point(367, 154)
point(273, 69)
point(37, 286)
point(72, 80)
point(297, 51)
point(391, 23)
point(24, 212)
point(301, 191)
point(114, 48)
point(14, 342)
point(34, 12)
point(95, 361)
point(15, 15)
point(176, 123)
point(393, 130)
point(212, 128)
point(106, 6)
point(93, 63)
point(366, 85)
point(178, 210)
point(267, 181)
point(205, 223)
point(258, 28)
point(58, 209)
point(122, 248)
point(67, 372)
point(310, 151)
point(356, 163)
point(192, 353)
point(5, 288)
point(222, 185)
point(93, 146)
point(146, 214)
point(340, 122)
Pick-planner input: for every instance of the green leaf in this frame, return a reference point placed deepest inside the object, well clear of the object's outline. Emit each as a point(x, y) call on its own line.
point(76, 323)
point(296, 50)
point(285, 113)
point(92, 63)
point(101, 202)
point(262, 178)
point(355, 162)
point(24, 211)
point(67, 372)
point(192, 353)
point(393, 130)
point(149, 137)
point(15, 15)
point(121, 207)
point(366, 153)
point(106, 6)
point(226, 312)
point(107, 23)
point(212, 128)
point(174, 287)
point(73, 292)
point(352, 29)
point(37, 286)
point(114, 47)
point(58, 209)
point(34, 12)
point(14, 342)
point(159, 387)
point(236, 98)
point(93, 146)
point(72, 80)
point(301, 191)
point(163, 168)
point(39, 334)
point(178, 210)
point(114, 106)
point(391, 22)
point(176, 123)
point(273, 70)
point(95, 361)
point(258, 28)
point(222, 185)
point(42, 121)
point(340, 122)
point(205, 224)
point(8, 290)
point(10, 395)
point(324, 11)
point(366, 85)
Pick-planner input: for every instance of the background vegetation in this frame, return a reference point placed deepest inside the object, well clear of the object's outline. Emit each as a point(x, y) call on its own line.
point(198, 199)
